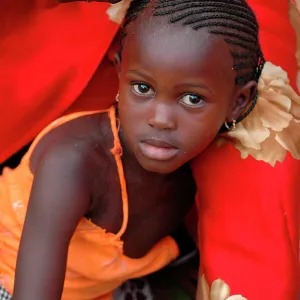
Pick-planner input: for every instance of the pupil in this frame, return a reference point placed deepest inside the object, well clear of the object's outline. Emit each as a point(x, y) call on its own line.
point(194, 99)
point(143, 88)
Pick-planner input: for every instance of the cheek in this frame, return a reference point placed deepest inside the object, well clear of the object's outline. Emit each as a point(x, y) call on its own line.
point(127, 120)
point(199, 131)
point(132, 110)
point(197, 140)
point(131, 114)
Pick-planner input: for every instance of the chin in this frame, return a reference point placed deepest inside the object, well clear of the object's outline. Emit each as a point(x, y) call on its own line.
point(160, 167)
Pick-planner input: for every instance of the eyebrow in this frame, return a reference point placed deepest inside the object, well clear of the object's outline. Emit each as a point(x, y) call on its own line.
point(196, 85)
point(136, 72)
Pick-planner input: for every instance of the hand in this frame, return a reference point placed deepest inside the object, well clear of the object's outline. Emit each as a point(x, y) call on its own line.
point(109, 1)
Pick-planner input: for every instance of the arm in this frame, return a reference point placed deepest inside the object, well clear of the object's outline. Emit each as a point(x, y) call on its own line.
point(59, 198)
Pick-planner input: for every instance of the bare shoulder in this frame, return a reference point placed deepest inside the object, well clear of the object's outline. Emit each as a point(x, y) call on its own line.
point(76, 142)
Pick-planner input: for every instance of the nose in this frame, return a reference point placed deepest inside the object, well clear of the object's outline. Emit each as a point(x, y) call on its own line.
point(162, 117)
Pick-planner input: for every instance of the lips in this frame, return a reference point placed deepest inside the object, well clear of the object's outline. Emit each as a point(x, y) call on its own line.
point(157, 149)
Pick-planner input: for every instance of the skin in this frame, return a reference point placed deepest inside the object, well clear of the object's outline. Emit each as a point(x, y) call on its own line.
point(182, 96)
point(70, 161)
point(69, 166)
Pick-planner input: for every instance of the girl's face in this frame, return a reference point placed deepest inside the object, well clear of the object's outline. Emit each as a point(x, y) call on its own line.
point(176, 90)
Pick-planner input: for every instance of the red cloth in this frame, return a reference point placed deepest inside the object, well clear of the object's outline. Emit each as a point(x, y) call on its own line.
point(248, 210)
point(48, 54)
point(277, 37)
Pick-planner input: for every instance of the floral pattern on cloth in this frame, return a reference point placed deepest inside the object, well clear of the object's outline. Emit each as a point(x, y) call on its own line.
point(219, 290)
point(273, 127)
point(116, 12)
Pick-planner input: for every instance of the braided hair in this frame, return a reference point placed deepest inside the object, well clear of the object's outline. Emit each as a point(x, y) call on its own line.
point(233, 20)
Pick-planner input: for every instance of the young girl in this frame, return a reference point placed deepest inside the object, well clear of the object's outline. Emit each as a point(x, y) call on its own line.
point(99, 192)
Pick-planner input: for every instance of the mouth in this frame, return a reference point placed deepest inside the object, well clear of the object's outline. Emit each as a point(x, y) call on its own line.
point(157, 149)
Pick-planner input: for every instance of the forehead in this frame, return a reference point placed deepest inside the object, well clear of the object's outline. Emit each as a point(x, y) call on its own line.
point(175, 47)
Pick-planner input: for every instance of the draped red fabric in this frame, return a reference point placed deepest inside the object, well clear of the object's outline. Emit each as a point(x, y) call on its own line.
point(277, 36)
point(48, 54)
point(248, 210)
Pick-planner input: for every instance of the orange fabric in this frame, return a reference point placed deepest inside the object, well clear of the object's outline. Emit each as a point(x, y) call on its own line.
point(248, 210)
point(49, 53)
point(105, 266)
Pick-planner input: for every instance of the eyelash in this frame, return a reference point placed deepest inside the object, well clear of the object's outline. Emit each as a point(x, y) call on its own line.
point(201, 99)
point(140, 83)
point(179, 100)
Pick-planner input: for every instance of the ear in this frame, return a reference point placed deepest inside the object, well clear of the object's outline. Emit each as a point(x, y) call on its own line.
point(117, 62)
point(242, 100)
point(114, 54)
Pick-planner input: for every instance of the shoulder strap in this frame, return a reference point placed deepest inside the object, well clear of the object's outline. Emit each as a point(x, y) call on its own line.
point(117, 152)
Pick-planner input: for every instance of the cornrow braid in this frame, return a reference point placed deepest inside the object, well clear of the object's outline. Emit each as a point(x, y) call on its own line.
point(136, 6)
point(233, 20)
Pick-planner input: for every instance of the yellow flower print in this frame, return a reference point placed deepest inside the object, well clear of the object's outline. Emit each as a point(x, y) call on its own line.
point(116, 12)
point(219, 290)
point(273, 127)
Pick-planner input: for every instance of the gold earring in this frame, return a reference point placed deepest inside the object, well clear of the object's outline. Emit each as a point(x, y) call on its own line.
point(231, 127)
point(117, 97)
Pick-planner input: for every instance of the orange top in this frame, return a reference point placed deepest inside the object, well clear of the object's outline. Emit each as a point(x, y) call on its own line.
point(96, 263)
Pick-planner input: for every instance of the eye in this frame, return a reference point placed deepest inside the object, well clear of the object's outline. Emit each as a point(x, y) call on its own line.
point(191, 100)
point(142, 89)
